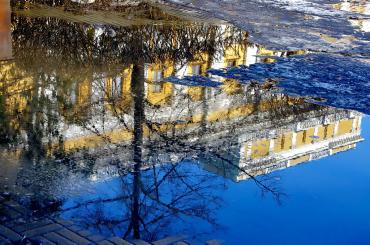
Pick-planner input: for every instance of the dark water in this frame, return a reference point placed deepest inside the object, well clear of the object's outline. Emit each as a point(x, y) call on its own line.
point(154, 130)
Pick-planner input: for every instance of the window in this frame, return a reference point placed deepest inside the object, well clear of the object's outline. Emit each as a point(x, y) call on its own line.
point(304, 137)
point(73, 94)
point(73, 97)
point(208, 93)
point(157, 87)
point(196, 70)
point(157, 76)
point(282, 146)
point(231, 63)
point(116, 86)
point(326, 131)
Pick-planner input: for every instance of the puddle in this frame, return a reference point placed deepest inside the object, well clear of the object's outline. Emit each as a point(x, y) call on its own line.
point(156, 126)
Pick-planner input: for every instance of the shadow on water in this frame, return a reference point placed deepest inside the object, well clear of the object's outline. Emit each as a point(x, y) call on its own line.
point(135, 131)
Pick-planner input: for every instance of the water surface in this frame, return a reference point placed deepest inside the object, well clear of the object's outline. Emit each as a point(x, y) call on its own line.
point(180, 127)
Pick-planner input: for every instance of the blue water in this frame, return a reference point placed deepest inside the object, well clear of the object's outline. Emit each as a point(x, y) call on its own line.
point(325, 202)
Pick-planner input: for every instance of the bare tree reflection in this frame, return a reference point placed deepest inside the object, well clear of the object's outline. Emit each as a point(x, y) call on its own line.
point(72, 71)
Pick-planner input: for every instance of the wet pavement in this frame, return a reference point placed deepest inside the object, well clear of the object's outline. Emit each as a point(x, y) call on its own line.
point(48, 231)
point(147, 124)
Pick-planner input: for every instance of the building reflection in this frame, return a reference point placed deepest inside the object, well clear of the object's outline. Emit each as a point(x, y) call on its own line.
point(130, 102)
point(294, 143)
point(88, 106)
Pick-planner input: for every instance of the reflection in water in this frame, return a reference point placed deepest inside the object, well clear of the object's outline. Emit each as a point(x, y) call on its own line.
point(5, 33)
point(312, 76)
point(357, 7)
point(121, 124)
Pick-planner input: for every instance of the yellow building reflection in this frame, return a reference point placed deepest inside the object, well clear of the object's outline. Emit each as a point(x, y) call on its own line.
point(299, 142)
point(94, 110)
